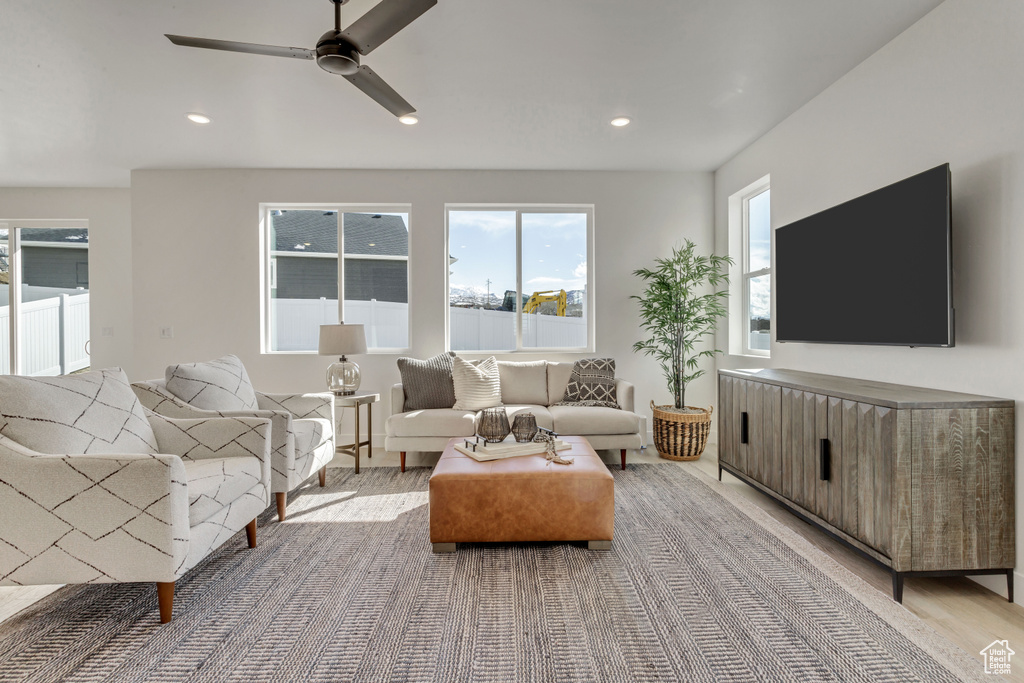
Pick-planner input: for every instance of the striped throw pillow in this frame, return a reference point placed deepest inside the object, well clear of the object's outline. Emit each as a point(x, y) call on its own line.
point(477, 386)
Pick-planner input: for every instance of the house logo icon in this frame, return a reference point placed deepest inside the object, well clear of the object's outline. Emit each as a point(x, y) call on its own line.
point(997, 657)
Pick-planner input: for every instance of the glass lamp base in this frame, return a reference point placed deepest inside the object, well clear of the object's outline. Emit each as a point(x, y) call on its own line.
point(343, 377)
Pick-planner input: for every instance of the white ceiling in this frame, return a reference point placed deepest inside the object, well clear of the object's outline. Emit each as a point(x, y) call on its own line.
point(90, 90)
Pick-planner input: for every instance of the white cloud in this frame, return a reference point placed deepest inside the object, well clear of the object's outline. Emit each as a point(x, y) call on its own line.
point(580, 270)
point(486, 221)
point(554, 283)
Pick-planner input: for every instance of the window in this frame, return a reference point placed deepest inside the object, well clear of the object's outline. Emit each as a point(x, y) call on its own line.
point(44, 297)
point(518, 278)
point(751, 306)
point(306, 285)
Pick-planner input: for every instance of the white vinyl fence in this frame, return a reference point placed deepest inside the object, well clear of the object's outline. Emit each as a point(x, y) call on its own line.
point(54, 335)
point(297, 322)
point(479, 328)
point(297, 326)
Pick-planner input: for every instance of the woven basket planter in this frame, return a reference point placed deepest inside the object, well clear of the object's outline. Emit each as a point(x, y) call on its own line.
point(681, 436)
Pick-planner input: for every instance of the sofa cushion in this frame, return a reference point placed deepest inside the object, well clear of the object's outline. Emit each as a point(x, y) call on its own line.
point(477, 385)
point(524, 382)
point(558, 378)
point(221, 384)
point(540, 412)
point(582, 421)
point(215, 482)
point(592, 383)
point(427, 383)
point(433, 422)
point(92, 412)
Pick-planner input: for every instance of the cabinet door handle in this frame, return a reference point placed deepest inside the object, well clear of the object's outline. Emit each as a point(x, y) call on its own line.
point(744, 428)
point(825, 455)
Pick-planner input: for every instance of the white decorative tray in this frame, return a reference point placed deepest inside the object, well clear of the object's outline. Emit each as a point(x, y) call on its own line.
point(483, 452)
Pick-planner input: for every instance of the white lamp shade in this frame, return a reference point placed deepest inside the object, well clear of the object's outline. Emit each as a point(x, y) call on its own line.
point(342, 340)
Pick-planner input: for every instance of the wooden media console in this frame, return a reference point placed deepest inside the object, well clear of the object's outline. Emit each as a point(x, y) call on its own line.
point(920, 480)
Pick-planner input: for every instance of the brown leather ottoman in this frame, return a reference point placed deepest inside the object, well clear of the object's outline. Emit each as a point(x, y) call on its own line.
point(522, 499)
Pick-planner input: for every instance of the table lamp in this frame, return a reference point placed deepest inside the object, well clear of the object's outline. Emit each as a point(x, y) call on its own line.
point(341, 340)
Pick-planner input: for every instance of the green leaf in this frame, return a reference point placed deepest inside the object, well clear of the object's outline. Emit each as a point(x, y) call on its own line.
point(676, 312)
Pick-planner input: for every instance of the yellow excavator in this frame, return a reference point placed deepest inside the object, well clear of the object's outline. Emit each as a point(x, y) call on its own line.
point(532, 303)
point(537, 298)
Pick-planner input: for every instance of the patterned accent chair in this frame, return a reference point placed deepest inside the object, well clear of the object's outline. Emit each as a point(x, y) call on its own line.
point(302, 433)
point(95, 490)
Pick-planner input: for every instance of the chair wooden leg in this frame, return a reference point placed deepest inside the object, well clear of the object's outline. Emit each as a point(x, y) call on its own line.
point(323, 476)
point(250, 533)
point(402, 456)
point(282, 499)
point(165, 596)
point(623, 458)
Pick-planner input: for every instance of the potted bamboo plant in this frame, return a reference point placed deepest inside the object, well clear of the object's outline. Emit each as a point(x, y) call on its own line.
point(685, 295)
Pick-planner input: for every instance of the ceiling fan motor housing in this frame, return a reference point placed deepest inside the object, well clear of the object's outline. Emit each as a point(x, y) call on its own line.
point(336, 55)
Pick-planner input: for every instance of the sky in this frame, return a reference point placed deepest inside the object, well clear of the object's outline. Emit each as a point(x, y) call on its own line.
point(760, 230)
point(484, 242)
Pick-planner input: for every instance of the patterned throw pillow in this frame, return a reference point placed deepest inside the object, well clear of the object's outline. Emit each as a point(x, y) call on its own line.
point(427, 383)
point(91, 412)
point(220, 384)
point(592, 383)
point(477, 385)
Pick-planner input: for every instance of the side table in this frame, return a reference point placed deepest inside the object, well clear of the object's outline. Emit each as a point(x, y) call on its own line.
point(354, 401)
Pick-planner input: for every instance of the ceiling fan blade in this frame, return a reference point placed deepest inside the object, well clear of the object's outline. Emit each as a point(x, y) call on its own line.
point(373, 85)
point(383, 21)
point(249, 48)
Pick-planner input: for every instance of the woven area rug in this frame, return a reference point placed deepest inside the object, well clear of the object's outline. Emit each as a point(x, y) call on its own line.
point(700, 585)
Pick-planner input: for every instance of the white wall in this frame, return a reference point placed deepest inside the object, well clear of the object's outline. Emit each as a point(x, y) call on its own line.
point(947, 89)
point(110, 255)
point(196, 260)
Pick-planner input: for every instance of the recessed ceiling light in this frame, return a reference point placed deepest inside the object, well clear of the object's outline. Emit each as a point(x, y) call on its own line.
point(408, 119)
point(196, 117)
point(620, 121)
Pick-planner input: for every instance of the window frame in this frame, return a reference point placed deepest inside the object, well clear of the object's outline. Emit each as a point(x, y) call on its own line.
point(519, 210)
point(268, 269)
point(739, 224)
point(14, 226)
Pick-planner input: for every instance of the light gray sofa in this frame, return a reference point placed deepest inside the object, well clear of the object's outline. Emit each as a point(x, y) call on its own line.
point(525, 387)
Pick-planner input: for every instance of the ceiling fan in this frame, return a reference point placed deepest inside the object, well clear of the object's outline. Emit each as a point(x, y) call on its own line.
point(338, 50)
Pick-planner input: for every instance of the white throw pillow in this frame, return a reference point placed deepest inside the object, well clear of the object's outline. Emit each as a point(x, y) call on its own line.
point(220, 384)
point(477, 386)
point(91, 412)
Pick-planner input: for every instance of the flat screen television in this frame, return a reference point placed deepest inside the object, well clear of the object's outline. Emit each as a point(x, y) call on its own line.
point(874, 270)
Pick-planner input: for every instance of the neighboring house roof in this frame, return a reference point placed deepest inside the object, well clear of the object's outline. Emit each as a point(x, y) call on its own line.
point(65, 235)
point(316, 232)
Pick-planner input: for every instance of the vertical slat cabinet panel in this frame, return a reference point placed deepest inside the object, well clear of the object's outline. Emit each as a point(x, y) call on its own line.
point(937, 510)
point(740, 397)
point(759, 445)
point(884, 472)
point(850, 482)
point(809, 449)
point(773, 417)
point(822, 488)
point(975, 466)
point(755, 406)
point(902, 545)
point(786, 442)
point(727, 421)
point(867, 458)
point(1000, 504)
point(796, 448)
point(835, 484)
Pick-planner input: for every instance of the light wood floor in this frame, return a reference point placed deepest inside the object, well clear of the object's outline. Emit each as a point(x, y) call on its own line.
point(961, 610)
